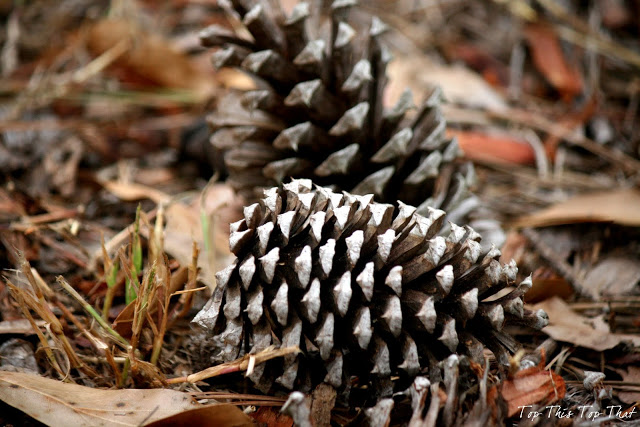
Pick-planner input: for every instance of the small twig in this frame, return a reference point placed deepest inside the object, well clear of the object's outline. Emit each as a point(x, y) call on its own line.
point(236, 366)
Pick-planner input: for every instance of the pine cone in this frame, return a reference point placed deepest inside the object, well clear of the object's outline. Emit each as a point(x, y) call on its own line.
point(318, 113)
point(363, 288)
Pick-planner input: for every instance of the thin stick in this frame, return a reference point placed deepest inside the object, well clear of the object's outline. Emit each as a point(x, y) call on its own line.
point(236, 366)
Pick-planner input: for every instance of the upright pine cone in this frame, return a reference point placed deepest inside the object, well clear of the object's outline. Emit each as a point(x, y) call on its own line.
point(318, 113)
point(364, 289)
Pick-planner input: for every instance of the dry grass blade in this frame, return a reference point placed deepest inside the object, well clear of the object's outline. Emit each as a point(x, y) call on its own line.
point(89, 309)
point(20, 297)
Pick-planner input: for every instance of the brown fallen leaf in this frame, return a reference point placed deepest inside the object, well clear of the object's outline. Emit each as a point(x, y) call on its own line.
point(222, 414)
point(572, 121)
point(221, 207)
point(272, 417)
point(568, 326)
point(618, 206)
point(149, 57)
point(480, 60)
point(550, 61)
point(132, 191)
point(630, 375)
point(19, 326)
point(56, 403)
point(493, 148)
point(459, 84)
point(547, 283)
point(532, 386)
point(614, 275)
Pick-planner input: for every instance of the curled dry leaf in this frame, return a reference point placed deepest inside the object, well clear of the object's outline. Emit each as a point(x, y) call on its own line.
point(566, 325)
point(532, 386)
point(618, 206)
point(56, 403)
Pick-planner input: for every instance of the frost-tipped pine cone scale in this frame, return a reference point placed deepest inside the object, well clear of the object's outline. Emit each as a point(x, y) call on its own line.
point(318, 112)
point(364, 289)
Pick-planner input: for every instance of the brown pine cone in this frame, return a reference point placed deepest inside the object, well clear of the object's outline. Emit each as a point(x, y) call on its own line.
point(318, 112)
point(364, 289)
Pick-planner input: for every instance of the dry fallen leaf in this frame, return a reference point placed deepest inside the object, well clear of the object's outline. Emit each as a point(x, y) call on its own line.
point(56, 403)
point(618, 206)
point(613, 275)
point(532, 386)
point(221, 414)
point(630, 375)
point(149, 57)
point(459, 84)
point(19, 326)
point(184, 225)
point(547, 283)
point(132, 191)
point(272, 417)
point(568, 326)
point(493, 148)
point(550, 61)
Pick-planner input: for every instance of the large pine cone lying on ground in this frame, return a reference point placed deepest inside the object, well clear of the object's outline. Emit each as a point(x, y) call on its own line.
point(364, 289)
point(318, 112)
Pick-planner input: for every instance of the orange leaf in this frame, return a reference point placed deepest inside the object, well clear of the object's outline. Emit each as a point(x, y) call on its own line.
point(493, 148)
point(532, 386)
point(272, 417)
point(546, 284)
point(549, 60)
